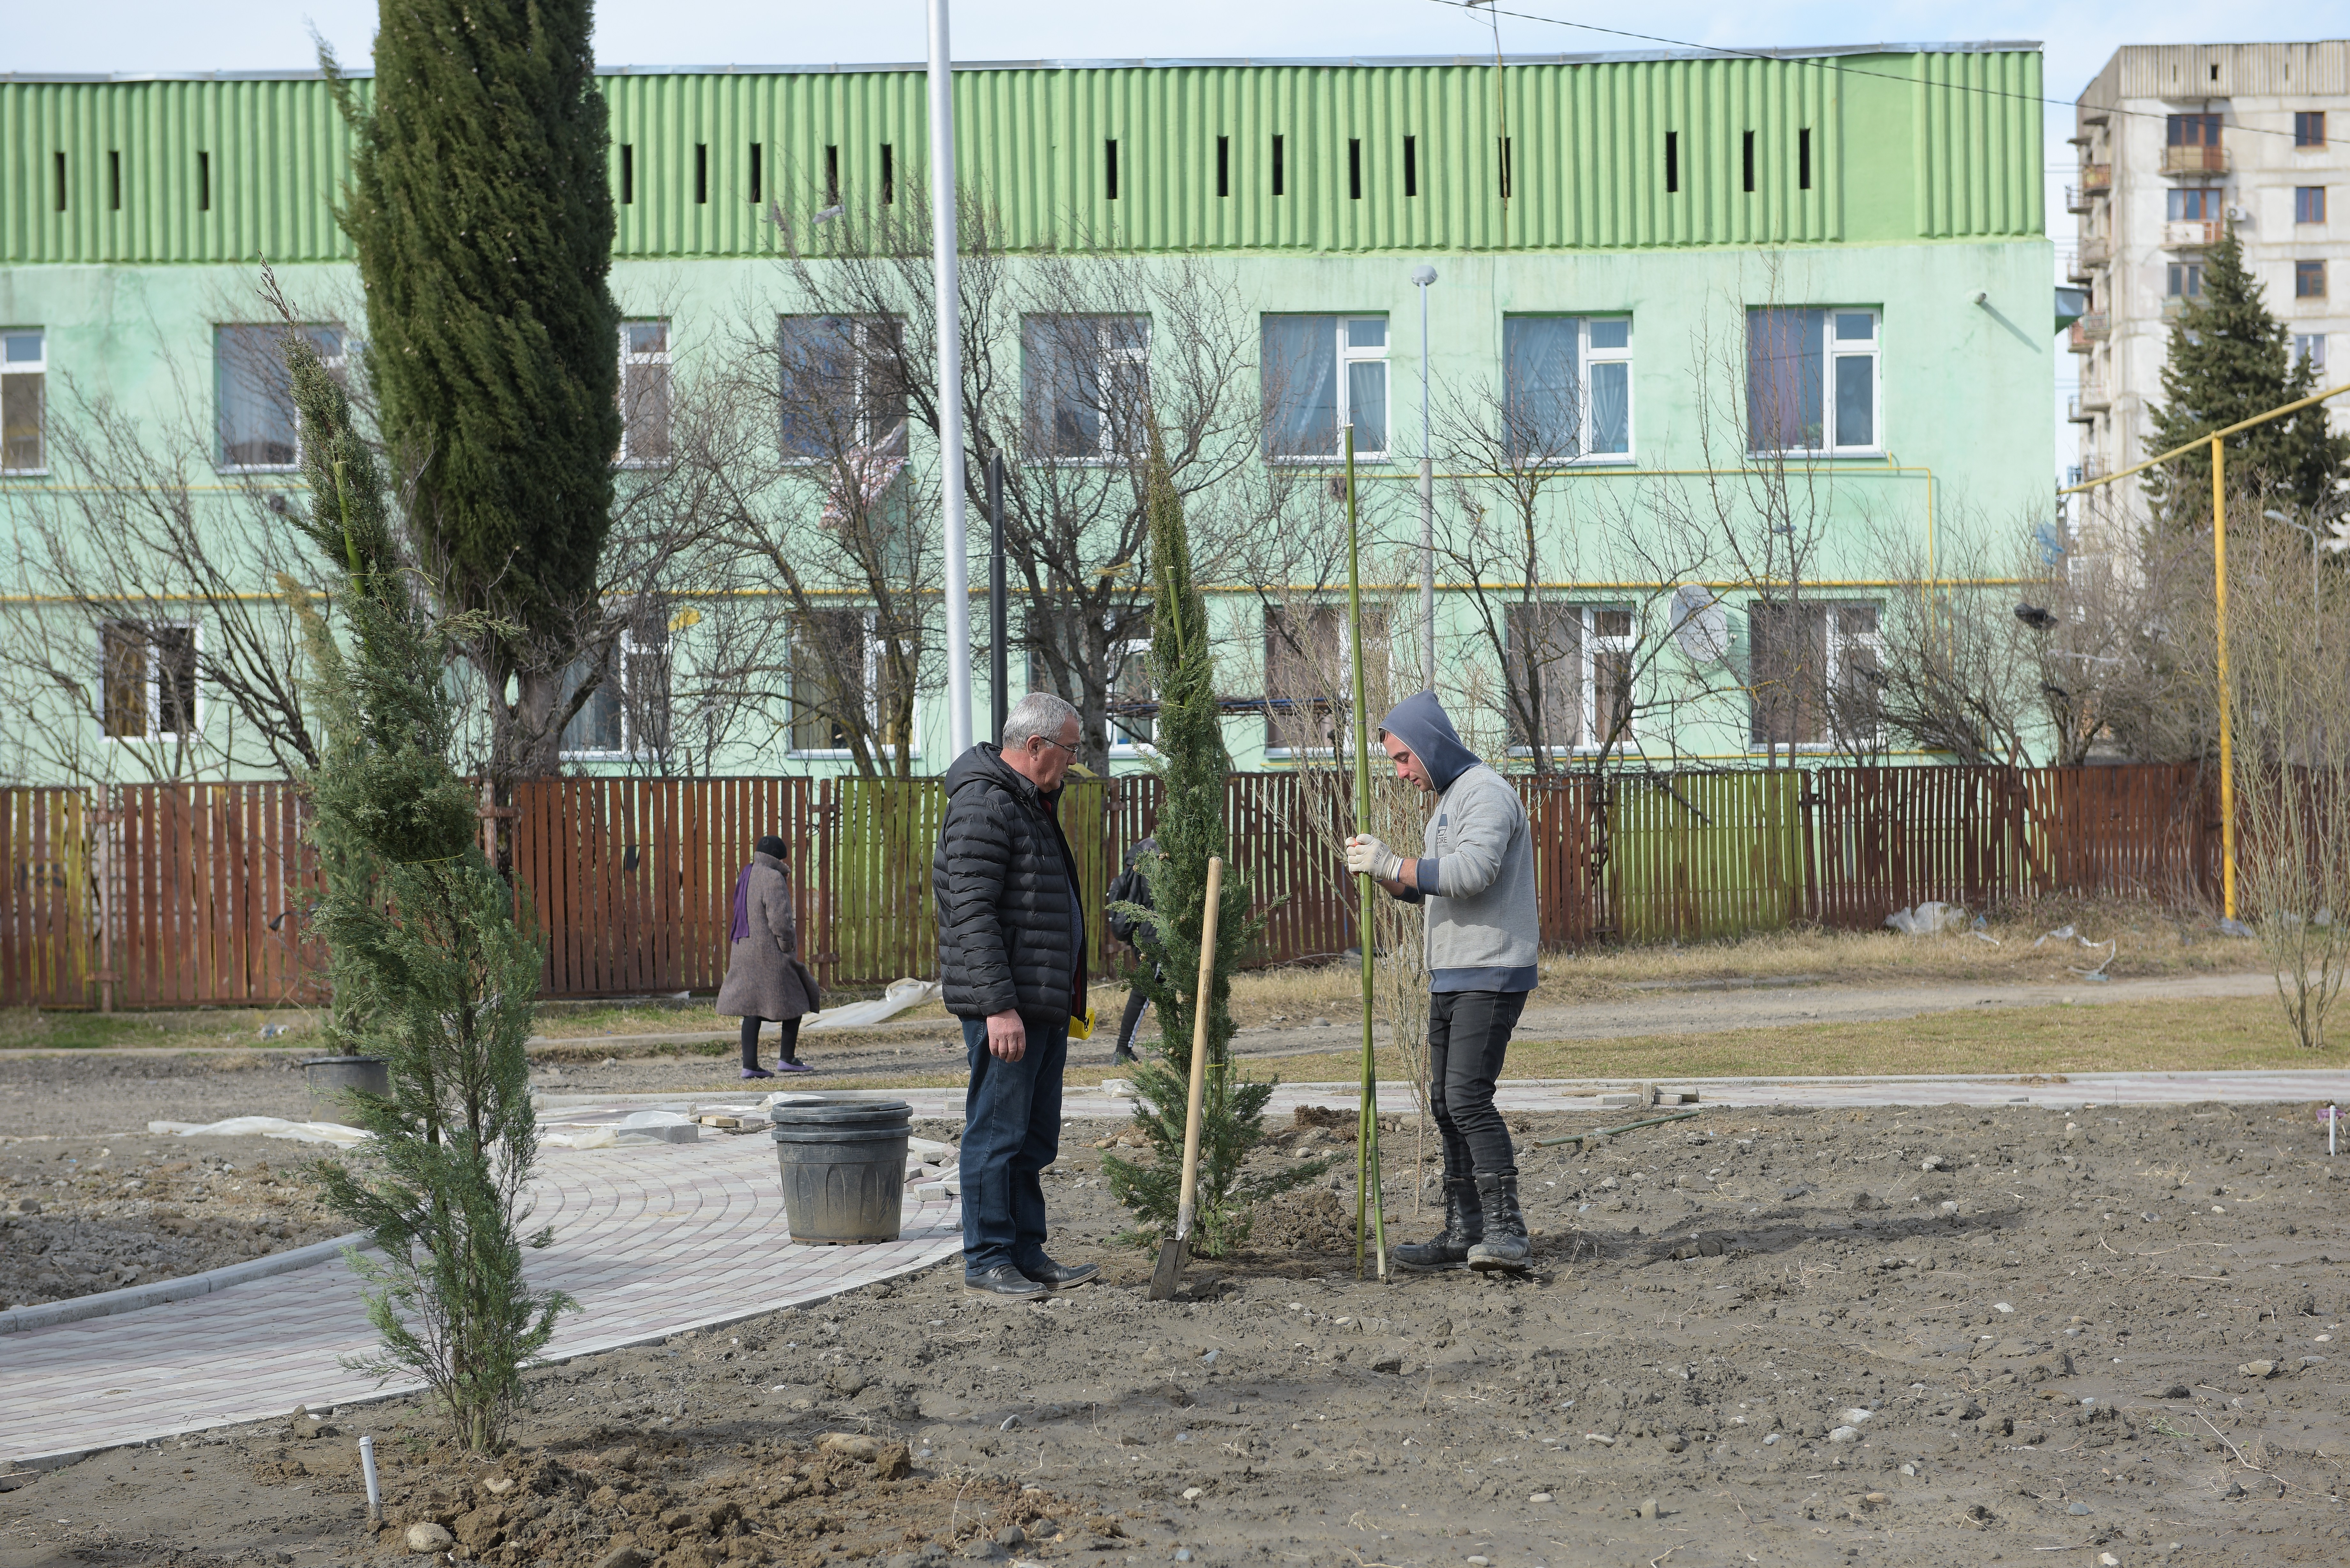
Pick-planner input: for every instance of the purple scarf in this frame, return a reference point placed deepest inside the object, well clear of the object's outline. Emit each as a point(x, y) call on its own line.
point(741, 905)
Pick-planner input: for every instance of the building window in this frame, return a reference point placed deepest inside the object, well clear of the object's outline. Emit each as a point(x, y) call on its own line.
point(146, 670)
point(1567, 387)
point(2309, 204)
point(1323, 373)
point(1572, 664)
point(841, 394)
point(1133, 701)
point(644, 393)
point(2309, 280)
point(1812, 382)
point(840, 682)
point(256, 425)
point(1309, 674)
point(2183, 280)
point(1086, 385)
point(2194, 131)
point(2196, 204)
point(627, 715)
point(2309, 349)
point(24, 383)
point(2309, 127)
point(1813, 678)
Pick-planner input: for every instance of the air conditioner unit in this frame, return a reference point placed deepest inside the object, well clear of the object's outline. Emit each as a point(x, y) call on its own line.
point(2240, 214)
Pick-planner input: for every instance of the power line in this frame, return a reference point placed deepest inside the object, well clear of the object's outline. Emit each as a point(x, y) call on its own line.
point(1827, 64)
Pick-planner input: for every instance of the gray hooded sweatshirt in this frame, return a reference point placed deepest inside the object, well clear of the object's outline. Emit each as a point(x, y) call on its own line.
point(1477, 866)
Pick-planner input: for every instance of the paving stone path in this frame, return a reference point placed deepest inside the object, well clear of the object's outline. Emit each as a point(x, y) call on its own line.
point(655, 1238)
point(651, 1239)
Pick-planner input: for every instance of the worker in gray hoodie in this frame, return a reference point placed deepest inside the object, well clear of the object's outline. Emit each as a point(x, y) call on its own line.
point(1476, 873)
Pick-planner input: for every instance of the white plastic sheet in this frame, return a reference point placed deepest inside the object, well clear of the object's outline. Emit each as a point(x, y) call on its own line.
point(266, 1127)
point(902, 995)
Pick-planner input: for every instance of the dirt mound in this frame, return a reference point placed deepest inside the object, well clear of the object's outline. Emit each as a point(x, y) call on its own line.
point(1309, 1222)
point(641, 1498)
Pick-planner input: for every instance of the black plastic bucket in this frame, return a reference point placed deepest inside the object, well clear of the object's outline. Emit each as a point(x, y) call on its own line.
point(844, 1168)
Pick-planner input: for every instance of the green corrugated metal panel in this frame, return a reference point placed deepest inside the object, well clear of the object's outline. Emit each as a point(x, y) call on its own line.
point(141, 158)
point(1903, 146)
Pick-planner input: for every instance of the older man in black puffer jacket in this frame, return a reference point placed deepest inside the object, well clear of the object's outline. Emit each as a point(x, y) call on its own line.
point(1011, 962)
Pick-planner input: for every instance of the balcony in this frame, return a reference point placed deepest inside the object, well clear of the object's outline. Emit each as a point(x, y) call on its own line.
point(2097, 179)
point(2195, 161)
point(2089, 331)
point(2192, 234)
point(2096, 250)
point(2174, 307)
point(2077, 200)
point(2088, 404)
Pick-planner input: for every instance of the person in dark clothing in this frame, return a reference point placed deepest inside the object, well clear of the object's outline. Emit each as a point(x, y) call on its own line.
point(764, 976)
point(1476, 875)
point(1011, 966)
point(1130, 886)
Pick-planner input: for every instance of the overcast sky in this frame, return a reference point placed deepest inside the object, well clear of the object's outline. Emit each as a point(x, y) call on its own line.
point(136, 36)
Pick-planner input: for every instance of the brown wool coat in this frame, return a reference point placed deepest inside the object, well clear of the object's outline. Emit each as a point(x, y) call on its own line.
point(763, 978)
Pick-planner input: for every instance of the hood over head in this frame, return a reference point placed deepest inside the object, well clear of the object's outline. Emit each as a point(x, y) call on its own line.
point(985, 763)
point(1418, 721)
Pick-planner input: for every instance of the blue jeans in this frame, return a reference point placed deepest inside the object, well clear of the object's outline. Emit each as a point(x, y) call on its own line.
point(1010, 1132)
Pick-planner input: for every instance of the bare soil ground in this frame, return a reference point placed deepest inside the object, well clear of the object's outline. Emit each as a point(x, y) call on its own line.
point(1903, 1337)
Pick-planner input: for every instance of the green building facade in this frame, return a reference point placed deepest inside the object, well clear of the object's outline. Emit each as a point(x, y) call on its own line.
point(1799, 302)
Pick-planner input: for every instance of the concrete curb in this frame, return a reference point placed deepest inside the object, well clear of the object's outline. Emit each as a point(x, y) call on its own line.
point(132, 1298)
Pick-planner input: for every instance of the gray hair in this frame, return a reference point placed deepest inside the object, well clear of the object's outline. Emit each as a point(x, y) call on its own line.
point(1038, 713)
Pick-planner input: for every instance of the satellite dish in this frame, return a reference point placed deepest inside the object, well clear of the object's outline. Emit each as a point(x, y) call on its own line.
point(1700, 624)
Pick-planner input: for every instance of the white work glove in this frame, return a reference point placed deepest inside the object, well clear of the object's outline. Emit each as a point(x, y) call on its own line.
point(1364, 853)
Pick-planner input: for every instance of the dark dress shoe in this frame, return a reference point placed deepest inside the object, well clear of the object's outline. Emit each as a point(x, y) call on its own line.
point(1055, 1276)
point(1003, 1280)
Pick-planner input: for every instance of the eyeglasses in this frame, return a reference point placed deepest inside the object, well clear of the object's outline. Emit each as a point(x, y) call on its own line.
point(1050, 742)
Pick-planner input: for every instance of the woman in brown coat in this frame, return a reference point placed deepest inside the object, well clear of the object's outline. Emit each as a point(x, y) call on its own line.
point(764, 977)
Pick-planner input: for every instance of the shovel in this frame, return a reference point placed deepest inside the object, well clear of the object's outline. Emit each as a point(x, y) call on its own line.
point(1176, 1249)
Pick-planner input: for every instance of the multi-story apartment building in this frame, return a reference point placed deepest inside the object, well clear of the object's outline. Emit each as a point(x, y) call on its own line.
point(2178, 143)
point(1695, 278)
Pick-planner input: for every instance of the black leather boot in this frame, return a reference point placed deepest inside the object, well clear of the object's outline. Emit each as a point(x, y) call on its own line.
point(1464, 1225)
point(1504, 1248)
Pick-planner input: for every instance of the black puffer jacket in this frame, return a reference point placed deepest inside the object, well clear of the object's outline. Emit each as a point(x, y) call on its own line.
point(1009, 910)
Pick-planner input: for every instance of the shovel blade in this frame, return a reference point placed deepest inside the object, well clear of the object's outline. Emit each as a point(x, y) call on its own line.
point(1168, 1275)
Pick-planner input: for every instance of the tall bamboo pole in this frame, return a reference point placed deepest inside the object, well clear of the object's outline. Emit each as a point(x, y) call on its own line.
point(2227, 739)
point(1367, 1121)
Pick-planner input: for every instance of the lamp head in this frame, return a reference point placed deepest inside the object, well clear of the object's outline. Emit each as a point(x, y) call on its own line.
point(1423, 275)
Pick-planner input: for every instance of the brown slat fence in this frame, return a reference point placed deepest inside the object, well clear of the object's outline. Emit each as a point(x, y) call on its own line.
point(204, 888)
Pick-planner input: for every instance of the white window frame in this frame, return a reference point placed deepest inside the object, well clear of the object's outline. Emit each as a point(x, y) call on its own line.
point(1830, 353)
point(632, 744)
point(2175, 273)
point(1592, 644)
point(1587, 355)
point(38, 368)
point(868, 622)
point(665, 356)
point(1839, 645)
point(864, 438)
point(1112, 351)
point(2309, 346)
point(334, 364)
point(1349, 355)
point(1120, 743)
point(151, 683)
point(1344, 734)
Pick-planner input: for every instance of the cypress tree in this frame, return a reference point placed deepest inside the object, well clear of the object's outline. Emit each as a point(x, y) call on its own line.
point(2230, 359)
point(481, 209)
point(1192, 766)
point(434, 968)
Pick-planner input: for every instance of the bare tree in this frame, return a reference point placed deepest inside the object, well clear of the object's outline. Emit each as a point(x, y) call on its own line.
point(1074, 362)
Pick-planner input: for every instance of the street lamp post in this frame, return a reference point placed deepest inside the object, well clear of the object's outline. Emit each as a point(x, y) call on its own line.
point(950, 471)
point(1422, 276)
